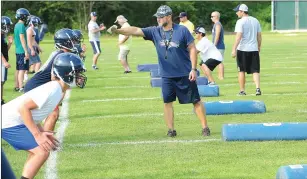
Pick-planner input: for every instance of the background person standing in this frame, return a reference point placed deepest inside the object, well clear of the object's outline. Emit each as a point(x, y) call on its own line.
point(247, 47)
point(183, 16)
point(218, 40)
point(94, 37)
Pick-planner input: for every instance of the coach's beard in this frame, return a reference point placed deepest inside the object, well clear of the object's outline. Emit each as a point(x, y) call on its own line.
point(165, 24)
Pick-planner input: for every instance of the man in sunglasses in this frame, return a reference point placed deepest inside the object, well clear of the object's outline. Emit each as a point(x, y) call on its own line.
point(218, 39)
point(177, 64)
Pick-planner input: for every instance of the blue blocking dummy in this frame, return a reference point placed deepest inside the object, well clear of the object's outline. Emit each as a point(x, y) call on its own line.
point(208, 90)
point(147, 67)
point(43, 31)
point(264, 131)
point(157, 82)
point(156, 74)
point(234, 107)
point(292, 172)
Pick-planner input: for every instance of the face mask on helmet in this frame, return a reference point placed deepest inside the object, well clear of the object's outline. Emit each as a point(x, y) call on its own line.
point(80, 80)
point(5, 24)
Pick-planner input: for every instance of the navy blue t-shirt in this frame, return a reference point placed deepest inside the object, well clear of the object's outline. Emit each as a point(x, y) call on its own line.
point(177, 62)
point(44, 74)
point(4, 48)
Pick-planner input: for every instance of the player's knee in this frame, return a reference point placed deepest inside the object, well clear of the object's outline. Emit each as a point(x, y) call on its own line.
point(42, 153)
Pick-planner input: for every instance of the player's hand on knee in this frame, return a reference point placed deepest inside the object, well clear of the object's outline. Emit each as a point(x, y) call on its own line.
point(47, 141)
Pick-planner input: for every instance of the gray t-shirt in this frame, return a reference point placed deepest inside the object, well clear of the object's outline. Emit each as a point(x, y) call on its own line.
point(93, 36)
point(249, 27)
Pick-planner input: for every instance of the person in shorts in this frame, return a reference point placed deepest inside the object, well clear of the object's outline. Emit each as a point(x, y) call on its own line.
point(22, 117)
point(94, 37)
point(5, 47)
point(22, 55)
point(33, 47)
point(247, 47)
point(177, 58)
point(209, 54)
point(124, 42)
point(218, 39)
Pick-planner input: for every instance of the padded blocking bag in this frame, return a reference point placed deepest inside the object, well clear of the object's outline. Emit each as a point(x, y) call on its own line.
point(292, 172)
point(234, 107)
point(157, 82)
point(264, 131)
point(147, 67)
point(208, 90)
point(155, 73)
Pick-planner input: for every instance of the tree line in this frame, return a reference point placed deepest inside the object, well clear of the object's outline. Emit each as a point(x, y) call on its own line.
point(75, 14)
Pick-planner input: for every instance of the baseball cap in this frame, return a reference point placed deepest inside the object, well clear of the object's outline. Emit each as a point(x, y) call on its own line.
point(121, 18)
point(163, 10)
point(241, 7)
point(182, 14)
point(93, 14)
point(200, 30)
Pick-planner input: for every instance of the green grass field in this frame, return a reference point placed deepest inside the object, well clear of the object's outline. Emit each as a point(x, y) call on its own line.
point(127, 139)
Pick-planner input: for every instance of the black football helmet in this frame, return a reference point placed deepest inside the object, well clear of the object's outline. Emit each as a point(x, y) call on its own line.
point(69, 68)
point(66, 38)
point(23, 14)
point(6, 24)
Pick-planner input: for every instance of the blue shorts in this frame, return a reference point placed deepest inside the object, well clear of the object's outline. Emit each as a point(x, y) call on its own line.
point(185, 90)
point(21, 64)
point(96, 46)
point(19, 137)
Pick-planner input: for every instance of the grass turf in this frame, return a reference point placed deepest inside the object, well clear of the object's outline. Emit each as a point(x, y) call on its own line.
point(94, 140)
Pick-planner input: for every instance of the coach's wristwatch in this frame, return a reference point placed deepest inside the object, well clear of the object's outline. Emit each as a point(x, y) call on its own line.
point(194, 69)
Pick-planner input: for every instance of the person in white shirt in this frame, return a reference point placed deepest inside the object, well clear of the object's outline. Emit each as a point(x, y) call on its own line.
point(209, 54)
point(124, 42)
point(247, 47)
point(22, 116)
point(94, 37)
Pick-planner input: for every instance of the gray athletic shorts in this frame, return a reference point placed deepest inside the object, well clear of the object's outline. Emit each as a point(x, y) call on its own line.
point(34, 59)
point(122, 55)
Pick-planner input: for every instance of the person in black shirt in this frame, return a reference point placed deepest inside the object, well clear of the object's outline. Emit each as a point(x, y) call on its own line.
point(5, 46)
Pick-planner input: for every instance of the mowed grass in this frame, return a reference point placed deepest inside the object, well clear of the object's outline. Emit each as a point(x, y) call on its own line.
point(98, 142)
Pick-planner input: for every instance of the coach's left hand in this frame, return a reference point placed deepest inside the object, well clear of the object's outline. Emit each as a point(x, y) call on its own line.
point(192, 75)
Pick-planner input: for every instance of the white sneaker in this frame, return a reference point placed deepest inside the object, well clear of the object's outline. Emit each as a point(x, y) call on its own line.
point(211, 83)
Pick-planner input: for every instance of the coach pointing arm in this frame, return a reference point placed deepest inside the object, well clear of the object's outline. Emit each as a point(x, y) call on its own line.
point(135, 31)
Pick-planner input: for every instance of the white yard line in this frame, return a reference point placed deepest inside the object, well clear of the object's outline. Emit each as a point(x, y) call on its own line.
point(291, 61)
point(302, 111)
point(125, 77)
point(153, 98)
point(134, 115)
point(51, 165)
point(266, 83)
point(142, 142)
point(120, 99)
point(123, 87)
